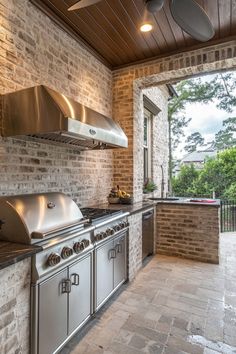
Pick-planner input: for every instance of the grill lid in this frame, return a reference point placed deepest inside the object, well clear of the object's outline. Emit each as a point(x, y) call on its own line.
point(30, 217)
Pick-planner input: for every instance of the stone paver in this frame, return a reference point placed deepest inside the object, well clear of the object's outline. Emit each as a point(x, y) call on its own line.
point(173, 306)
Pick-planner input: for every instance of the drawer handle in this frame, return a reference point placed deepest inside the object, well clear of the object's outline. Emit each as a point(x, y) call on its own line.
point(66, 286)
point(74, 279)
point(112, 254)
point(119, 248)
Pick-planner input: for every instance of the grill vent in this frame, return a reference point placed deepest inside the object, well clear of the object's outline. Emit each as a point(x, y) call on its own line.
point(81, 144)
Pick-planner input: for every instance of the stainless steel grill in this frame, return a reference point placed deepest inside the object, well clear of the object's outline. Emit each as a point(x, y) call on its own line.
point(82, 262)
point(30, 218)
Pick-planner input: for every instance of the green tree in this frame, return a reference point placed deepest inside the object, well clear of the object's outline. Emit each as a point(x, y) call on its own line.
point(183, 184)
point(230, 192)
point(193, 142)
point(218, 175)
point(225, 86)
point(194, 90)
point(220, 89)
point(226, 137)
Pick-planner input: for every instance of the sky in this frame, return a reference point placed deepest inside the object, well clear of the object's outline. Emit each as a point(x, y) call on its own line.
point(206, 119)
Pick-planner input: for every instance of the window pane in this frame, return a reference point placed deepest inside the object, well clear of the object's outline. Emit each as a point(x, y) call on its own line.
point(145, 164)
point(145, 131)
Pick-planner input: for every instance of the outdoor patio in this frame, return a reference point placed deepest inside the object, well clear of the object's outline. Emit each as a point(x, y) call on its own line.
point(174, 306)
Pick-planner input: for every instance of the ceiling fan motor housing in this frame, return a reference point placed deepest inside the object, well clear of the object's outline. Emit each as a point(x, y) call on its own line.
point(154, 5)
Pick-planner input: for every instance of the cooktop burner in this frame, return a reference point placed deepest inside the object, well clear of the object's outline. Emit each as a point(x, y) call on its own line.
point(96, 214)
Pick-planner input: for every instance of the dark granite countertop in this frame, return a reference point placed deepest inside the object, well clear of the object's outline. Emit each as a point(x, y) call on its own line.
point(11, 252)
point(192, 201)
point(147, 204)
point(130, 208)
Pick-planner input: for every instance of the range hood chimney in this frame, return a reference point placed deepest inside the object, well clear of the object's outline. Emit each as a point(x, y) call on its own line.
point(41, 112)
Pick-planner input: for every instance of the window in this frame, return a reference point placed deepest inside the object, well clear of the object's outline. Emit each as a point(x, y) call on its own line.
point(147, 144)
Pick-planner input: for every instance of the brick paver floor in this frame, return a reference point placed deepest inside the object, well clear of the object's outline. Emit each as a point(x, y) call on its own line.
point(173, 306)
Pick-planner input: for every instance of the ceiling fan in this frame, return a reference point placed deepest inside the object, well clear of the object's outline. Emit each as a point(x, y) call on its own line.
point(188, 14)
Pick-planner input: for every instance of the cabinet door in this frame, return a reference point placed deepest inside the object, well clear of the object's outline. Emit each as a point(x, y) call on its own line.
point(52, 313)
point(80, 297)
point(103, 272)
point(120, 271)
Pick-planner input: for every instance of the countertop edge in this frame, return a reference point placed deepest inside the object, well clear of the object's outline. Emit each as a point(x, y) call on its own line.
point(12, 253)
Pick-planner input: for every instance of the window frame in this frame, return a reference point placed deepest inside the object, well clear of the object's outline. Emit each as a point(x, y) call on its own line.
point(147, 148)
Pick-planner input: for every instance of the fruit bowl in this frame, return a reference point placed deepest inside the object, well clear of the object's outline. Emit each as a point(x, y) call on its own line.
point(113, 200)
point(127, 200)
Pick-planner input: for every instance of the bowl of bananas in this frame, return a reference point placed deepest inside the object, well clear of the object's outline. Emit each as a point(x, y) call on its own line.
point(117, 196)
point(125, 198)
point(113, 197)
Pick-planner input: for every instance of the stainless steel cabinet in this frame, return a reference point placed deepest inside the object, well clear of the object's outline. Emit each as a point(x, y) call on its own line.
point(52, 316)
point(110, 268)
point(65, 303)
point(120, 266)
point(104, 272)
point(80, 295)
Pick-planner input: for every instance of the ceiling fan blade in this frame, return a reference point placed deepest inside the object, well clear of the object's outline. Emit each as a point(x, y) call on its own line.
point(82, 3)
point(189, 15)
point(154, 5)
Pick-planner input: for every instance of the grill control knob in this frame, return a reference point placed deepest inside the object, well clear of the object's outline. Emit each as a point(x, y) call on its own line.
point(66, 252)
point(77, 247)
point(126, 223)
point(110, 231)
point(117, 227)
point(54, 259)
point(122, 224)
point(84, 243)
point(100, 236)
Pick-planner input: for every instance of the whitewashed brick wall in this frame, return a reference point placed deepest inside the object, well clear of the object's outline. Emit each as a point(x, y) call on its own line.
point(36, 51)
point(135, 245)
point(15, 308)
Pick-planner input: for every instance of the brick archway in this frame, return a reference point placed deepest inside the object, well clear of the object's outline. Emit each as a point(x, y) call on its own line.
point(128, 84)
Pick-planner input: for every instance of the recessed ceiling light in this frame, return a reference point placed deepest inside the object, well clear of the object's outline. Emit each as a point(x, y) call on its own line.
point(146, 27)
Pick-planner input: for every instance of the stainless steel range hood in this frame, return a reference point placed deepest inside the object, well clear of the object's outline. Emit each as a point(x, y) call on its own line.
point(43, 113)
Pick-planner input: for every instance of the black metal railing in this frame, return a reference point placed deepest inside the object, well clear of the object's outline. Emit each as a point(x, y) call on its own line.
point(228, 215)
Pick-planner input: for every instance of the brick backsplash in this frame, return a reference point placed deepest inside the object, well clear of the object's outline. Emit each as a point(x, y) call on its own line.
point(30, 167)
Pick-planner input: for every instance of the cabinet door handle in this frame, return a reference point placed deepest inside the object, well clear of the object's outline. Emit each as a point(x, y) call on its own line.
point(119, 248)
point(66, 286)
point(74, 279)
point(112, 254)
point(147, 215)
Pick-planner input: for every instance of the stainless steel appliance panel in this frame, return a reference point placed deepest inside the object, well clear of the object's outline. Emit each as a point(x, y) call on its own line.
point(147, 233)
point(120, 264)
point(81, 292)
point(49, 115)
point(52, 325)
point(104, 271)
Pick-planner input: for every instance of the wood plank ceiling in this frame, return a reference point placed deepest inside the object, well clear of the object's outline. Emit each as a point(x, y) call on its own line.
point(111, 28)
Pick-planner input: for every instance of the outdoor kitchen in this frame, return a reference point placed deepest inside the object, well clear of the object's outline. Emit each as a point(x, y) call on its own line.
point(71, 132)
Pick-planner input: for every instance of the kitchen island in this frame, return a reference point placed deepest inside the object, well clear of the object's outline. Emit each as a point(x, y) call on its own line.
point(184, 228)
